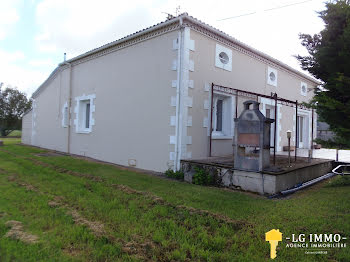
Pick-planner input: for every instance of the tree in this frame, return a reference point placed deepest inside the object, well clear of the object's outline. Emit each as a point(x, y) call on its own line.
point(13, 104)
point(329, 61)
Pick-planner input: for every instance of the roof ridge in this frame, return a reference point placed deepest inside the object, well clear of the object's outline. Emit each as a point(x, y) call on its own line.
point(169, 21)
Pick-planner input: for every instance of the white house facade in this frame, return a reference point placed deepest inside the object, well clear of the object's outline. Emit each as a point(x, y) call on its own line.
point(145, 100)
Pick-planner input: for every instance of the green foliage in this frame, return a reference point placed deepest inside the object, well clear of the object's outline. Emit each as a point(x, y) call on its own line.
point(337, 143)
point(13, 104)
point(329, 61)
point(202, 177)
point(179, 175)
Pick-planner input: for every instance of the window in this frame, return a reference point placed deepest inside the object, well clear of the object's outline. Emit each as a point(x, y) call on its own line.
point(87, 115)
point(223, 57)
point(272, 76)
point(84, 109)
point(303, 89)
point(222, 125)
point(65, 115)
point(84, 115)
point(219, 103)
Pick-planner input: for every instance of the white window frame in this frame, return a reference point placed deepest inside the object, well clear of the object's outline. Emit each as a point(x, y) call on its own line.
point(303, 93)
point(269, 80)
point(268, 103)
point(218, 63)
point(227, 115)
point(80, 113)
point(307, 115)
point(65, 113)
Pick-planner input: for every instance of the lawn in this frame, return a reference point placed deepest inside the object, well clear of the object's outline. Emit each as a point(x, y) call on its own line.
point(15, 133)
point(60, 208)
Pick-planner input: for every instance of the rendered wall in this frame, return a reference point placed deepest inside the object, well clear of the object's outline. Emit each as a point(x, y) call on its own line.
point(248, 73)
point(47, 114)
point(133, 90)
point(132, 106)
point(27, 128)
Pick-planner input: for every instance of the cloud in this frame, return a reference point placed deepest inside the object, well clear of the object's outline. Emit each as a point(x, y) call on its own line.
point(8, 16)
point(41, 63)
point(12, 72)
point(78, 26)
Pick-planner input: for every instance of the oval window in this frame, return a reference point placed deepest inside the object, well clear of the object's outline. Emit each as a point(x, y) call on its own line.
point(224, 58)
point(272, 76)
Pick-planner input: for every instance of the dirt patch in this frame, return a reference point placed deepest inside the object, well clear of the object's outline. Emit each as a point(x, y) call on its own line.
point(66, 171)
point(17, 232)
point(96, 227)
point(2, 214)
point(72, 251)
point(159, 200)
point(29, 187)
point(56, 202)
point(50, 154)
point(12, 177)
point(53, 204)
point(130, 190)
point(141, 249)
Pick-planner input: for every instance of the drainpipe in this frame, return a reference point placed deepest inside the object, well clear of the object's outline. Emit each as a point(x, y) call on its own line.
point(69, 105)
point(178, 121)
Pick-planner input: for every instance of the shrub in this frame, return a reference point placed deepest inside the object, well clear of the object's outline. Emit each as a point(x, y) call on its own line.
point(179, 175)
point(202, 177)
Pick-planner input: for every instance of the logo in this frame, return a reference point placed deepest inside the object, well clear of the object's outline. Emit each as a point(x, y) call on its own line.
point(273, 237)
point(311, 243)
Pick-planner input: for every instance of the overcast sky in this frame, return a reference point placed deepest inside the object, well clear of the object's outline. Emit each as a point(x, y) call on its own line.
point(34, 34)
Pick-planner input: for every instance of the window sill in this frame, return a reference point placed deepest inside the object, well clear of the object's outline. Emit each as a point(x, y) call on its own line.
point(83, 131)
point(222, 137)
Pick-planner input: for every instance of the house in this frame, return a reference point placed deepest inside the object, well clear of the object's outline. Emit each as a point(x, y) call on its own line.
point(323, 131)
point(145, 100)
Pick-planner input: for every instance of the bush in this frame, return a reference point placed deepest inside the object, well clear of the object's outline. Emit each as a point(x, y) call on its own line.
point(202, 177)
point(179, 175)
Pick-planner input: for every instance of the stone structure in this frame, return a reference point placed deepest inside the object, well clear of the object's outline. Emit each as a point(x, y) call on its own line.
point(252, 139)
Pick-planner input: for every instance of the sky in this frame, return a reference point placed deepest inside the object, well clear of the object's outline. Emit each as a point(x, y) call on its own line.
point(34, 34)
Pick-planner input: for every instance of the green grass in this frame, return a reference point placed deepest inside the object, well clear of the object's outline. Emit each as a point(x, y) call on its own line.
point(15, 133)
point(11, 141)
point(138, 228)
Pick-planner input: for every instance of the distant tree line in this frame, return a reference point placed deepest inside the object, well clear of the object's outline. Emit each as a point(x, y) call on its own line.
point(13, 105)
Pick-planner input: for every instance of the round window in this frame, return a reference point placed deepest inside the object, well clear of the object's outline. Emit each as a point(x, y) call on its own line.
point(224, 58)
point(272, 76)
point(303, 88)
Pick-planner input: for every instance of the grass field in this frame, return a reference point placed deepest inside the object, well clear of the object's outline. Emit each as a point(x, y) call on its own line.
point(15, 133)
point(67, 209)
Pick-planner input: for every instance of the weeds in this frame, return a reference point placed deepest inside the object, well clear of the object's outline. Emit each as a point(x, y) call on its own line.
point(179, 175)
point(202, 177)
